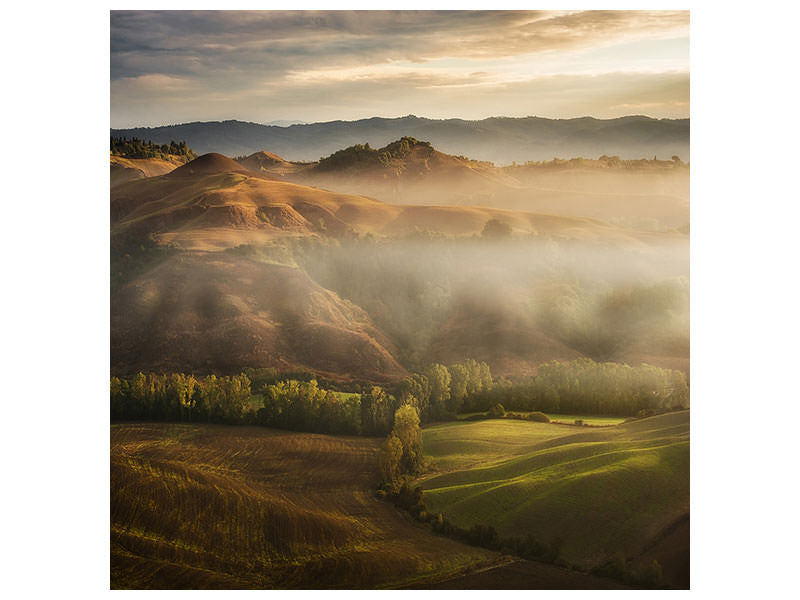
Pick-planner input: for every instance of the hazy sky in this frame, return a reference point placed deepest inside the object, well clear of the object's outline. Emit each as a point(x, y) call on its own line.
point(178, 66)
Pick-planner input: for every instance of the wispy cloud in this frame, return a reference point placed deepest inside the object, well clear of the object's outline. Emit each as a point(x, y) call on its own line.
point(293, 60)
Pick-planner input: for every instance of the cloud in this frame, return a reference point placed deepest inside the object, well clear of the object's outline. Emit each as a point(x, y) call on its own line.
point(279, 41)
point(251, 57)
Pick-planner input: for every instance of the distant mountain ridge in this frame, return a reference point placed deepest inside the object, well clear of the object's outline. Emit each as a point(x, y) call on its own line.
point(502, 140)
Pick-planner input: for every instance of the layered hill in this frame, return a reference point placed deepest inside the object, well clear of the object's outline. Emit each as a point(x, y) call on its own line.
point(217, 267)
point(214, 203)
point(643, 194)
point(498, 139)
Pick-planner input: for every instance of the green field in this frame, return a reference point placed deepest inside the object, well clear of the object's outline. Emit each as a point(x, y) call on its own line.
point(601, 491)
point(587, 419)
point(569, 419)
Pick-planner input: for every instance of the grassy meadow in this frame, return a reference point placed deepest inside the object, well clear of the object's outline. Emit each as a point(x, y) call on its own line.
point(596, 420)
point(601, 492)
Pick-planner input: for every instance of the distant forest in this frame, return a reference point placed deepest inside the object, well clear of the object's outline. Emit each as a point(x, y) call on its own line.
point(259, 397)
point(136, 148)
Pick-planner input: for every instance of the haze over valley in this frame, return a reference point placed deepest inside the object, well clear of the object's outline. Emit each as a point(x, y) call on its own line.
point(354, 351)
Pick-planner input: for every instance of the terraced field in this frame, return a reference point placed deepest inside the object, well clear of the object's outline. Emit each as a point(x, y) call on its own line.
point(207, 506)
point(601, 491)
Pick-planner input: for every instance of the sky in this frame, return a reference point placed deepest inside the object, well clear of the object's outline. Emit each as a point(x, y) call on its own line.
point(307, 66)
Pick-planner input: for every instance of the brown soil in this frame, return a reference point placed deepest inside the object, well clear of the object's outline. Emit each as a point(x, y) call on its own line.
point(204, 506)
point(220, 313)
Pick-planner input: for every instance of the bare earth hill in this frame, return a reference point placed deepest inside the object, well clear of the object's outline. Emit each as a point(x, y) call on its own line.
point(125, 169)
point(224, 287)
point(648, 193)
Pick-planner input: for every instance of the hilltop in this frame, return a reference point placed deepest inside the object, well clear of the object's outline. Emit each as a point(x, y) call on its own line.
point(267, 162)
point(136, 159)
point(642, 193)
point(498, 139)
point(214, 202)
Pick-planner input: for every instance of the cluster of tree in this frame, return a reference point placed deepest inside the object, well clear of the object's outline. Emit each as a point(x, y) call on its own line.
point(439, 392)
point(180, 397)
point(587, 387)
point(362, 155)
point(263, 377)
point(400, 456)
point(305, 403)
point(305, 406)
point(136, 148)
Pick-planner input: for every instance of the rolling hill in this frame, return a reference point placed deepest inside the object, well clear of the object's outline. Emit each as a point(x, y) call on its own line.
point(498, 139)
point(232, 205)
point(220, 507)
point(626, 485)
point(643, 193)
point(200, 256)
point(198, 506)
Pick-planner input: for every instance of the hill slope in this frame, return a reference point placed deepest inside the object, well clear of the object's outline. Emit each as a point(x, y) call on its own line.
point(600, 490)
point(192, 205)
point(498, 139)
point(216, 507)
point(198, 253)
point(267, 162)
point(126, 169)
point(220, 313)
point(644, 193)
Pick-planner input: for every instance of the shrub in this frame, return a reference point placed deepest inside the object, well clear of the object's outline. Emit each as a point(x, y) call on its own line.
point(539, 417)
point(578, 421)
point(497, 411)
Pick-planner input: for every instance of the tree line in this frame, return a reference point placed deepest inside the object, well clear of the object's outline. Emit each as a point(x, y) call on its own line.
point(437, 393)
point(584, 386)
point(136, 148)
point(180, 397)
